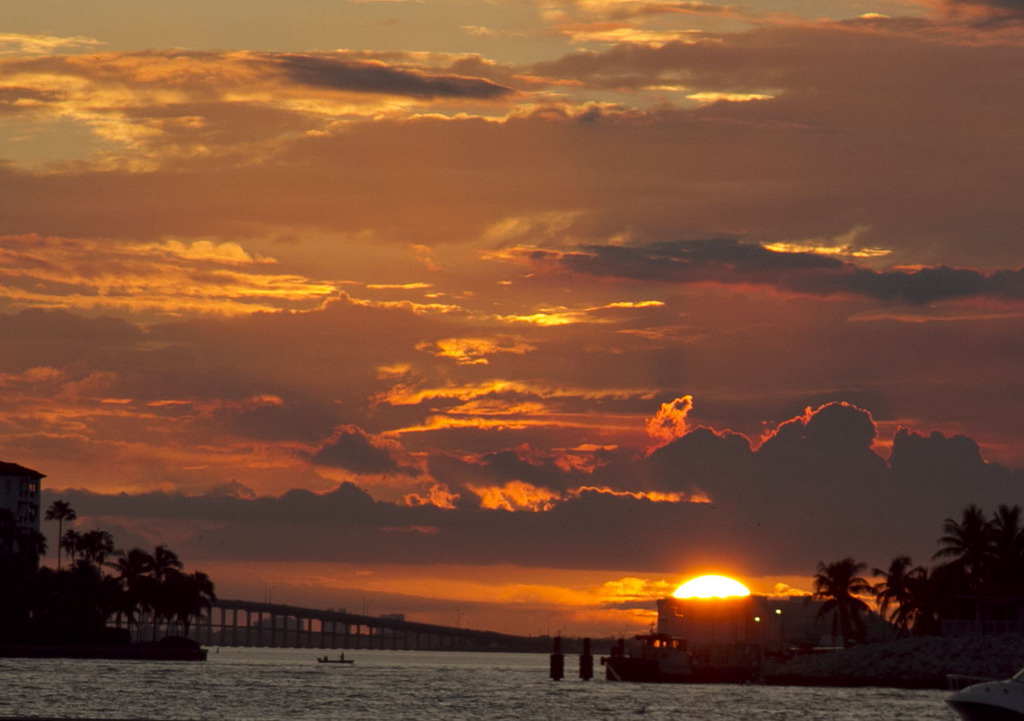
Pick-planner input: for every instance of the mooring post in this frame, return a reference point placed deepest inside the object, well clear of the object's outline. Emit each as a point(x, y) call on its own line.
point(557, 660)
point(586, 661)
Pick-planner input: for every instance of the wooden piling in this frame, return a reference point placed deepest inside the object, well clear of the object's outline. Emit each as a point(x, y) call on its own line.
point(557, 660)
point(586, 661)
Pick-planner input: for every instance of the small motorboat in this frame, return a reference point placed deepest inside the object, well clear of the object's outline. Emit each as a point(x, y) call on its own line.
point(340, 659)
point(990, 700)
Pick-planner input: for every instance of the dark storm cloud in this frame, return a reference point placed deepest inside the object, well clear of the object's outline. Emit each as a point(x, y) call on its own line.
point(730, 260)
point(52, 326)
point(916, 457)
point(301, 419)
point(348, 525)
point(56, 338)
point(998, 11)
point(815, 489)
point(501, 467)
point(689, 260)
point(1015, 5)
point(363, 77)
point(353, 450)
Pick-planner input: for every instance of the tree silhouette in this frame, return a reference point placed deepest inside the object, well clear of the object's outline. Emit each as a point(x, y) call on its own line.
point(895, 592)
point(60, 511)
point(1007, 536)
point(75, 604)
point(838, 584)
point(968, 545)
point(70, 542)
point(164, 561)
point(188, 595)
point(134, 572)
point(165, 565)
point(94, 547)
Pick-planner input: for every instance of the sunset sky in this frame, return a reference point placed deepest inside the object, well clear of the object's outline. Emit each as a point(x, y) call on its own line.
point(513, 314)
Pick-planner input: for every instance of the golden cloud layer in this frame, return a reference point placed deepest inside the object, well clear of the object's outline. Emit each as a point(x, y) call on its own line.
point(167, 278)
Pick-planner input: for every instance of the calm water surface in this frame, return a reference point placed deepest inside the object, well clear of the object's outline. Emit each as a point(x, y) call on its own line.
point(260, 684)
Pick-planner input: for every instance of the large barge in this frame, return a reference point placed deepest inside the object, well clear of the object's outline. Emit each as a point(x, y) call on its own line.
point(660, 658)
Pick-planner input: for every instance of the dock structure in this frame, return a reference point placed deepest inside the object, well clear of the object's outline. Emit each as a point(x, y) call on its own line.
point(248, 623)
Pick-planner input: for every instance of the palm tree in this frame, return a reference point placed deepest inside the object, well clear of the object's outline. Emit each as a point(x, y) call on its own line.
point(896, 589)
point(839, 584)
point(189, 594)
point(134, 570)
point(71, 541)
point(968, 543)
point(164, 559)
point(928, 595)
point(60, 511)
point(166, 566)
point(1007, 536)
point(95, 547)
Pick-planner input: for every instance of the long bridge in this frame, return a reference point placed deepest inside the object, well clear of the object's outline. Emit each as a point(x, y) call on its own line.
point(246, 623)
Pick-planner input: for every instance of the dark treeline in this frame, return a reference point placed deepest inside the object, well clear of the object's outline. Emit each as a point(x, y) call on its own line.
point(980, 561)
point(94, 581)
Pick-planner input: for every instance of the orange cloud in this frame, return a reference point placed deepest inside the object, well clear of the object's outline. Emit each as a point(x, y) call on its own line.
point(546, 318)
point(417, 308)
point(615, 33)
point(147, 109)
point(721, 97)
point(515, 496)
point(653, 496)
point(408, 395)
point(632, 589)
point(549, 317)
point(784, 589)
point(24, 44)
point(582, 458)
point(473, 351)
point(669, 422)
point(399, 286)
point(169, 278)
point(204, 250)
point(438, 495)
point(844, 245)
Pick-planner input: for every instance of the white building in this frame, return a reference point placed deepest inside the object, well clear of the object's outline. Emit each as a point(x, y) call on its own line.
point(19, 494)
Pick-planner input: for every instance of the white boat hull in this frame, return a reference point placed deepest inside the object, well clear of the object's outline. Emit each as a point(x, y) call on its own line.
point(990, 701)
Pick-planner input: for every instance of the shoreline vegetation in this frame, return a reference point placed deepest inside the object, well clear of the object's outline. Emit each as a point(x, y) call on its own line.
point(980, 579)
point(66, 612)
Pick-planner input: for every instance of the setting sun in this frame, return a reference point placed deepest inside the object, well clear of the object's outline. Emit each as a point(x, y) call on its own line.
point(711, 587)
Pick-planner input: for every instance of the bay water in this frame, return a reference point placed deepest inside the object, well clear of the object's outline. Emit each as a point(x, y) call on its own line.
point(251, 684)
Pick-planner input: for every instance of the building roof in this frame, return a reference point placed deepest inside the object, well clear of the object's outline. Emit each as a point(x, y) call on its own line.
point(13, 469)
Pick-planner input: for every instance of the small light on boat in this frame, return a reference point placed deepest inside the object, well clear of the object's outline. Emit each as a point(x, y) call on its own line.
point(757, 619)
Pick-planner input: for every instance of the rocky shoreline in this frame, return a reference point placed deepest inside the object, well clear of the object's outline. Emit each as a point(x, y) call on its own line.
point(167, 649)
point(924, 662)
